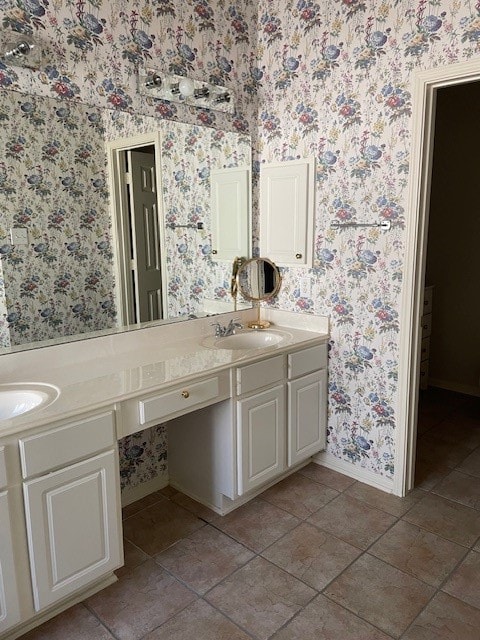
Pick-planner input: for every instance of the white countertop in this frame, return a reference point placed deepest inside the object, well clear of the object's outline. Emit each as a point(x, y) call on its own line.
point(96, 373)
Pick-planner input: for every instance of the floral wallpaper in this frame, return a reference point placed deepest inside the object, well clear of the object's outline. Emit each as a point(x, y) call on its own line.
point(331, 80)
point(143, 456)
point(52, 183)
point(335, 82)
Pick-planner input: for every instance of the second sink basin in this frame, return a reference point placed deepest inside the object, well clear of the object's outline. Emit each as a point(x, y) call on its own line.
point(250, 340)
point(23, 397)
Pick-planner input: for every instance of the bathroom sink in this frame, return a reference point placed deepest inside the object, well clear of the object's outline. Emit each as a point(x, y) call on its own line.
point(250, 340)
point(23, 397)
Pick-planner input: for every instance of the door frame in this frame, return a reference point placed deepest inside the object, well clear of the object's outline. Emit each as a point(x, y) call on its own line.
point(423, 128)
point(121, 219)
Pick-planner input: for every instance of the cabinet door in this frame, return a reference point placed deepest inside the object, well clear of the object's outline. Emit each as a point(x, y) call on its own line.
point(261, 438)
point(230, 211)
point(307, 420)
point(286, 208)
point(74, 532)
point(9, 610)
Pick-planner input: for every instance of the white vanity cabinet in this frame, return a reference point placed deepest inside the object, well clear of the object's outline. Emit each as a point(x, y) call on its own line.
point(9, 605)
point(274, 422)
point(72, 506)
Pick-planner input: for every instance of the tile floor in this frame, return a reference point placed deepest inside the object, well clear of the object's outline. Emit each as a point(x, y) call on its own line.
point(318, 556)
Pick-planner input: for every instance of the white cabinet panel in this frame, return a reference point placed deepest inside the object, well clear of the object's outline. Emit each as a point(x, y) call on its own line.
point(9, 609)
point(261, 438)
point(287, 192)
point(307, 421)
point(73, 530)
point(230, 207)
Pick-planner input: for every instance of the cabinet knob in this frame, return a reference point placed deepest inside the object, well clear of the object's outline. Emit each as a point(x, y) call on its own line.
point(185, 394)
point(298, 256)
point(214, 251)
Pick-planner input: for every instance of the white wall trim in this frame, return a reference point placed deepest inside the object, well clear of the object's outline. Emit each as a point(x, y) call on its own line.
point(423, 102)
point(328, 460)
point(132, 494)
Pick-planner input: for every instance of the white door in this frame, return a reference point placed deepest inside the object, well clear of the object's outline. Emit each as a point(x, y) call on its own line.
point(230, 211)
point(286, 212)
point(307, 419)
point(261, 438)
point(9, 610)
point(145, 236)
point(74, 535)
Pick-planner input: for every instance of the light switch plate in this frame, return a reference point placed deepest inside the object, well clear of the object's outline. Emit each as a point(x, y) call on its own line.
point(19, 235)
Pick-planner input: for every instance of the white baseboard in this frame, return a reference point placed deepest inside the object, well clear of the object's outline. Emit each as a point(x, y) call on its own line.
point(328, 460)
point(449, 385)
point(132, 494)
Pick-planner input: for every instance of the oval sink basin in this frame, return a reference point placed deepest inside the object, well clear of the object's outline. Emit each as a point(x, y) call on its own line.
point(19, 398)
point(250, 340)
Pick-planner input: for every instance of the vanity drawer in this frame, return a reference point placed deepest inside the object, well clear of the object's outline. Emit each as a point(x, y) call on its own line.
point(260, 374)
point(302, 362)
point(3, 470)
point(65, 444)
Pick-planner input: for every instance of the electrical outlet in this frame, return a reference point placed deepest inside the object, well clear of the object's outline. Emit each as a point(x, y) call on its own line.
point(306, 287)
point(19, 235)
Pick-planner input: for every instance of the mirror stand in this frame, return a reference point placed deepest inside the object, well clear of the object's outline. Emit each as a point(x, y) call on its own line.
point(258, 323)
point(258, 279)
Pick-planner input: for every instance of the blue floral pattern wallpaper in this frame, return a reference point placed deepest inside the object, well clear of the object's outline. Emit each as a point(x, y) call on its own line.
point(52, 182)
point(331, 80)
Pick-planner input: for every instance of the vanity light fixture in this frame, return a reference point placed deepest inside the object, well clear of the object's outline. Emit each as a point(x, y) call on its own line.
point(155, 84)
point(20, 50)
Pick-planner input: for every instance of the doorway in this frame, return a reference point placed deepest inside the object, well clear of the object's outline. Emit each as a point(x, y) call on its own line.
point(427, 84)
point(134, 165)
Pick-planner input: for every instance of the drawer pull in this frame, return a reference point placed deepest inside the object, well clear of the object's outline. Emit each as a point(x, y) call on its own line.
point(185, 394)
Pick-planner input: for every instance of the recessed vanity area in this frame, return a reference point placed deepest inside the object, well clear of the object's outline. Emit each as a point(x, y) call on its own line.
point(238, 419)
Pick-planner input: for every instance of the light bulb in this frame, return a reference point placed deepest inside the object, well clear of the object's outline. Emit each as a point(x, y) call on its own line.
point(186, 87)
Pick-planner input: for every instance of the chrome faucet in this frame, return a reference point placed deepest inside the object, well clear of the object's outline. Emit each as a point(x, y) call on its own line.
point(228, 330)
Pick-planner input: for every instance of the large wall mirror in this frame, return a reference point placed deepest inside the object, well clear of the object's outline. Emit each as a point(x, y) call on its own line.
point(109, 220)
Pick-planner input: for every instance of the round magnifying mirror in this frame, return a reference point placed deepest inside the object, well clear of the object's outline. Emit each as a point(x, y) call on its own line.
point(259, 279)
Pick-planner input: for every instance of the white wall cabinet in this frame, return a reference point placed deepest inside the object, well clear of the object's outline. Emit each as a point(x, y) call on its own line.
point(287, 191)
point(230, 213)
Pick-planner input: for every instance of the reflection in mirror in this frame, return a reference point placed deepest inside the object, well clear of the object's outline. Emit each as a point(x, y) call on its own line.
point(68, 265)
point(259, 279)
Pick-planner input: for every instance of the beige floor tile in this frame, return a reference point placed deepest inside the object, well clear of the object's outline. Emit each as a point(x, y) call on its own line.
point(157, 527)
point(427, 476)
point(299, 496)
point(384, 596)
point(311, 555)
point(326, 476)
point(257, 524)
point(199, 621)
point(457, 431)
point(471, 465)
point(199, 510)
point(464, 583)
point(141, 601)
point(447, 519)
point(168, 492)
point(260, 597)
point(418, 552)
point(133, 558)
point(77, 623)
point(445, 618)
point(431, 450)
point(385, 501)
point(352, 520)
point(143, 503)
point(204, 558)
point(323, 619)
point(460, 488)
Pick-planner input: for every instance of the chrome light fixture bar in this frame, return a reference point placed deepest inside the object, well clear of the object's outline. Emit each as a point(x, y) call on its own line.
point(20, 50)
point(160, 86)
